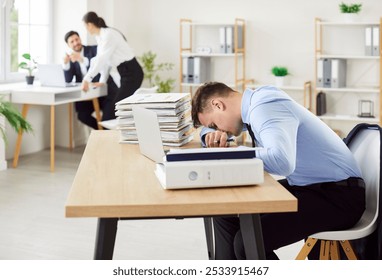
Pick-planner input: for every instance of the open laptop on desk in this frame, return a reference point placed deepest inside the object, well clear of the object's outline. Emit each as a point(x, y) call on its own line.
point(185, 174)
point(52, 75)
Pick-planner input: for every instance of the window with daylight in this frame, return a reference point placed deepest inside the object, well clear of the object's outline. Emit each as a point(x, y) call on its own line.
point(26, 29)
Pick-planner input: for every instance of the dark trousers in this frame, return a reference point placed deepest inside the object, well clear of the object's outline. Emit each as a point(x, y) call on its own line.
point(131, 79)
point(85, 110)
point(321, 207)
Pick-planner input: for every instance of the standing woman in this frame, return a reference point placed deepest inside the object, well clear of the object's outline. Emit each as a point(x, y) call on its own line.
point(114, 57)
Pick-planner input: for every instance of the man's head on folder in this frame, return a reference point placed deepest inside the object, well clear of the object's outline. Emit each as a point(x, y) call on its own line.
point(216, 105)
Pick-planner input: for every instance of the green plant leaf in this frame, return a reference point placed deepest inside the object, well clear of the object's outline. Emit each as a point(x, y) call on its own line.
point(27, 56)
point(151, 72)
point(14, 118)
point(30, 66)
point(280, 71)
point(350, 8)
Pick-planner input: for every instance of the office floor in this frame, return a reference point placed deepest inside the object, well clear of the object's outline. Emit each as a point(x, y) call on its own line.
point(34, 227)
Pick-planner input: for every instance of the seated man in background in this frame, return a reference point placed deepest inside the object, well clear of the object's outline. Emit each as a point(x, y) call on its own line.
point(76, 63)
point(320, 170)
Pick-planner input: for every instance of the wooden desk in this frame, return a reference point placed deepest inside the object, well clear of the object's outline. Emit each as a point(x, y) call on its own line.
point(115, 181)
point(53, 96)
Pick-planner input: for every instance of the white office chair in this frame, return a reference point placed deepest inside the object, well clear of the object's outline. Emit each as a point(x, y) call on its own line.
point(366, 149)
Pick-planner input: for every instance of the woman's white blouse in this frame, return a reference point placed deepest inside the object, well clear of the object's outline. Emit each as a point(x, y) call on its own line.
point(112, 50)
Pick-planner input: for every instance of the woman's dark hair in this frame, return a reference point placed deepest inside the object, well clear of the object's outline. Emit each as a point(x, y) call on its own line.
point(98, 21)
point(92, 17)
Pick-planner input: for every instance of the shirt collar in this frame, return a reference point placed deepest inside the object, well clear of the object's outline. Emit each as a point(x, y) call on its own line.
point(246, 104)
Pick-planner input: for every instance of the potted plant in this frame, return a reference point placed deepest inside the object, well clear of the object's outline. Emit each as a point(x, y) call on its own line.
point(28, 65)
point(280, 72)
point(151, 71)
point(14, 118)
point(350, 11)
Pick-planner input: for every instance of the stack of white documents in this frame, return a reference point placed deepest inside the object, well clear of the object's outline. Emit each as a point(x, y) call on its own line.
point(173, 111)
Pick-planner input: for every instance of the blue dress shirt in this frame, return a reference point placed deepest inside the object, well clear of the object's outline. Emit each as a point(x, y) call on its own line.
point(296, 144)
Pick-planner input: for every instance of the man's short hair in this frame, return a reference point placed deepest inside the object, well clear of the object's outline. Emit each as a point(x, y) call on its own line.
point(69, 34)
point(203, 94)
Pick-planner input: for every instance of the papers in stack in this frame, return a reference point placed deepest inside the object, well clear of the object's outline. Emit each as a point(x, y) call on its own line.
point(173, 111)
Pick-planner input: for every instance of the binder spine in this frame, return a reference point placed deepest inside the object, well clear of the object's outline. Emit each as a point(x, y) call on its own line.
point(368, 41)
point(222, 38)
point(375, 41)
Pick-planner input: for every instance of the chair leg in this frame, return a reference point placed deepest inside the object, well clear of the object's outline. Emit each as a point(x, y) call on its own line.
point(325, 250)
point(305, 250)
point(209, 237)
point(334, 250)
point(348, 249)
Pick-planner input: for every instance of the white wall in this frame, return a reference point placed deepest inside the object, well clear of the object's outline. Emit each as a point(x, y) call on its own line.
point(278, 33)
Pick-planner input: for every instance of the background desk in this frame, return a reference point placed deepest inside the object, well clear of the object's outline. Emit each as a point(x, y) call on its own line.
point(52, 96)
point(115, 181)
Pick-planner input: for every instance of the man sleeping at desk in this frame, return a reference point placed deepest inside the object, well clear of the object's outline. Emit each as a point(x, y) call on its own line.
point(320, 170)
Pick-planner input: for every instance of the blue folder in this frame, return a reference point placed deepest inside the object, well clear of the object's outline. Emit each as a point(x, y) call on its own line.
point(211, 154)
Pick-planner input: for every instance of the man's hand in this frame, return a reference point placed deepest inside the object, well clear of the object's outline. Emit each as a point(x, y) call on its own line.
point(216, 139)
point(66, 59)
point(76, 56)
point(85, 86)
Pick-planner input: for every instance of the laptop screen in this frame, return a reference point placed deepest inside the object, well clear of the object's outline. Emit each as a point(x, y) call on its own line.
point(148, 132)
point(52, 75)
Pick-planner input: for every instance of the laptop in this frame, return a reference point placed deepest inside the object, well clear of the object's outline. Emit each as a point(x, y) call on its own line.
point(148, 132)
point(52, 75)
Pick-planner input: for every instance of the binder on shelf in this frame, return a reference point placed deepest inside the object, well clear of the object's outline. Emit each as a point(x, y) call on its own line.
point(188, 70)
point(230, 38)
point(338, 72)
point(320, 73)
point(321, 104)
point(368, 40)
point(185, 70)
point(222, 39)
point(229, 33)
point(327, 67)
point(375, 41)
point(201, 69)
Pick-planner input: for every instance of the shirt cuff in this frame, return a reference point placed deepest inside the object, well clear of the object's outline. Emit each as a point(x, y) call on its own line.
point(66, 66)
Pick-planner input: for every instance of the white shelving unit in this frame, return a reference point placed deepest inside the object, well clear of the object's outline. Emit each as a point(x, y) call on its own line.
point(352, 49)
point(189, 43)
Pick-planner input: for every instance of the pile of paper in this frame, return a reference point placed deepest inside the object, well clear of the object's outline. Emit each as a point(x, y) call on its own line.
point(173, 111)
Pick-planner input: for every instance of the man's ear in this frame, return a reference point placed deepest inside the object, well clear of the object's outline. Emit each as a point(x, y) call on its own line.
point(217, 104)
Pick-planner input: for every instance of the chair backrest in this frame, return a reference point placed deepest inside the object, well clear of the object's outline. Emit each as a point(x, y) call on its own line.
point(365, 145)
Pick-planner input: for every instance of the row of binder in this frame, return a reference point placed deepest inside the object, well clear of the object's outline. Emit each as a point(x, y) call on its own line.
point(227, 40)
point(372, 41)
point(196, 69)
point(331, 73)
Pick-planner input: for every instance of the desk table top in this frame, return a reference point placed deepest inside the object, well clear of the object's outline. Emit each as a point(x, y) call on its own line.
point(41, 95)
point(115, 180)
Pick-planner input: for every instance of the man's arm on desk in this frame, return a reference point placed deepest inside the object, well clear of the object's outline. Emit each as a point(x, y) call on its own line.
point(214, 138)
